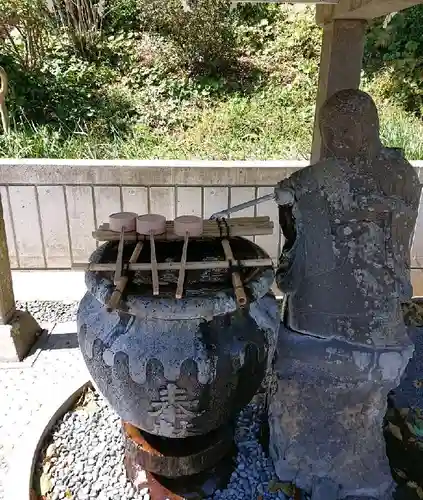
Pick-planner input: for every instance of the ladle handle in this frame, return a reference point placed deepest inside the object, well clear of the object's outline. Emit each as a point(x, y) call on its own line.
point(181, 277)
point(240, 295)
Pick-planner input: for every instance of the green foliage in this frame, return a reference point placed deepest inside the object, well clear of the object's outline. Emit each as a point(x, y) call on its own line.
point(68, 93)
point(82, 22)
point(395, 46)
point(147, 79)
point(23, 30)
point(204, 35)
point(121, 15)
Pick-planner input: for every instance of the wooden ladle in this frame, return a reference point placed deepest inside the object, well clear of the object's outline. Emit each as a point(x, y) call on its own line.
point(186, 226)
point(151, 225)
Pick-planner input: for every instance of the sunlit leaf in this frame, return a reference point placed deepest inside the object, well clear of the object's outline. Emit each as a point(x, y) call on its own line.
point(287, 488)
point(45, 484)
point(400, 473)
point(418, 384)
point(394, 430)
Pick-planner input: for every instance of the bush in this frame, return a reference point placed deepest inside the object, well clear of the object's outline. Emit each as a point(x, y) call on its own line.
point(395, 48)
point(24, 30)
point(82, 21)
point(69, 93)
point(204, 35)
point(122, 15)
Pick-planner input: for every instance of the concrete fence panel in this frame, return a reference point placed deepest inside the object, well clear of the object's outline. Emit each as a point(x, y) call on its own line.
point(51, 207)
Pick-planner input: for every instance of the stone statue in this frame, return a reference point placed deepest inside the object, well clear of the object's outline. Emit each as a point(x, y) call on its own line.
point(346, 263)
point(345, 269)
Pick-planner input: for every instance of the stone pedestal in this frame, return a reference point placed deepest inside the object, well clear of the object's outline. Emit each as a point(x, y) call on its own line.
point(18, 336)
point(18, 329)
point(326, 414)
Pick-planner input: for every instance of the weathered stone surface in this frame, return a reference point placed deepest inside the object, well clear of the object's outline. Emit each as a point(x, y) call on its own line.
point(345, 268)
point(178, 368)
point(324, 489)
point(327, 412)
point(18, 336)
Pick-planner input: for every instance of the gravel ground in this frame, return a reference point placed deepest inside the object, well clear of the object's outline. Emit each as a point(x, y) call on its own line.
point(24, 391)
point(50, 311)
point(82, 459)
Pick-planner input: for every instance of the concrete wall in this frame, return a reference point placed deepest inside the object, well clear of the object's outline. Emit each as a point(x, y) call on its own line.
point(51, 207)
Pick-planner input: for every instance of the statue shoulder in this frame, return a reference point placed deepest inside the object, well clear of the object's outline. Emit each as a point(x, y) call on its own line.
point(395, 157)
point(316, 173)
point(405, 174)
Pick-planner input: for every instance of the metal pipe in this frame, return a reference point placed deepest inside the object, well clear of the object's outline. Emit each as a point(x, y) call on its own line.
point(224, 213)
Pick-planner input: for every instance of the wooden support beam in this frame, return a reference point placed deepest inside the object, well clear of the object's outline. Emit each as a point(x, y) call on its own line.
point(18, 329)
point(340, 67)
point(360, 9)
point(7, 299)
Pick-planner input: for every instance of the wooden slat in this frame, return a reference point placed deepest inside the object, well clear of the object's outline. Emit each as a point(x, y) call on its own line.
point(166, 266)
point(54, 226)
point(237, 227)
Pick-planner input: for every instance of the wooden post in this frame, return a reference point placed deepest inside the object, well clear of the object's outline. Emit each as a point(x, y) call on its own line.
point(18, 329)
point(340, 67)
point(7, 299)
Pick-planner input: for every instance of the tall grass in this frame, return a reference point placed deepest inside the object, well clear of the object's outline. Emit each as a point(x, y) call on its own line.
point(263, 126)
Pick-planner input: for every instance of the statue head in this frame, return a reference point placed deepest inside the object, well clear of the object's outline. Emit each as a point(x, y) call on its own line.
point(349, 125)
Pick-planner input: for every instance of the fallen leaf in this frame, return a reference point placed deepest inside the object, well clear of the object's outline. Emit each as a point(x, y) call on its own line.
point(394, 430)
point(287, 488)
point(400, 473)
point(46, 467)
point(84, 399)
point(68, 494)
point(91, 408)
point(50, 451)
point(45, 484)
